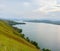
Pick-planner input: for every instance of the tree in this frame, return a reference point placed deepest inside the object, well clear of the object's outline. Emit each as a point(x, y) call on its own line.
point(27, 39)
point(46, 49)
point(23, 36)
point(35, 44)
point(17, 29)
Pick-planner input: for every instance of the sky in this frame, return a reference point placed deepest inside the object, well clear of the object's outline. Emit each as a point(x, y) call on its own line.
point(30, 9)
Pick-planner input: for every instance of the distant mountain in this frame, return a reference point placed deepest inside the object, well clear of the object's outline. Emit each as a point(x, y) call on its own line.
point(44, 21)
point(13, 21)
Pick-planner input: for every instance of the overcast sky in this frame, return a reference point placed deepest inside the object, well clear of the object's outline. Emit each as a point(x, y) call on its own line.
point(30, 8)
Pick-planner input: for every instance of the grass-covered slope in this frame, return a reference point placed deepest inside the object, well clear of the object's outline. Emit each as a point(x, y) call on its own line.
point(9, 41)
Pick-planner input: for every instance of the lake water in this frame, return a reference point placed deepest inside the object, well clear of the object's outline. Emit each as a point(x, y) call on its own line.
point(47, 35)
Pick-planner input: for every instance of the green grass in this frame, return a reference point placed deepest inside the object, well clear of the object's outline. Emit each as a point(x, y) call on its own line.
point(9, 41)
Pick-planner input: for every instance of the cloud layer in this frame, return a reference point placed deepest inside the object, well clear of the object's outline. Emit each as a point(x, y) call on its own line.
point(29, 8)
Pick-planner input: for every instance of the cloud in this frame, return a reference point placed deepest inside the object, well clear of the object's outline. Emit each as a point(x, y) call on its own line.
point(46, 9)
point(29, 8)
point(26, 4)
point(48, 6)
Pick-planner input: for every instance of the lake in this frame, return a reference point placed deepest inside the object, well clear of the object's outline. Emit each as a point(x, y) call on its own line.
point(47, 35)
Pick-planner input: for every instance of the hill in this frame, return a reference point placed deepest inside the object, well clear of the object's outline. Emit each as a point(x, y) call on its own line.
point(9, 41)
point(57, 22)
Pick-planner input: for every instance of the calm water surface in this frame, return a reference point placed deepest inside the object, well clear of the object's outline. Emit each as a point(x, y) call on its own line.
point(47, 35)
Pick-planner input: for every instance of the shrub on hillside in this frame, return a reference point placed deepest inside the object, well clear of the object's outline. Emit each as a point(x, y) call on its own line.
point(35, 43)
point(27, 39)
point(23, 36)
point(17, 29)
point(46, 49)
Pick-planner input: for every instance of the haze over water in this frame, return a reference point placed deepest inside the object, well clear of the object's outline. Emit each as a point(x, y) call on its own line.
point(47, 35)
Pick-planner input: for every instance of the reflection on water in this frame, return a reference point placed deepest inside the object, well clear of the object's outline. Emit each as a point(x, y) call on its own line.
point(47, 35)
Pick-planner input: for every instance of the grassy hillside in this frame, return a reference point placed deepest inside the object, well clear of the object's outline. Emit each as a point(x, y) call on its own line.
point(9, 41)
